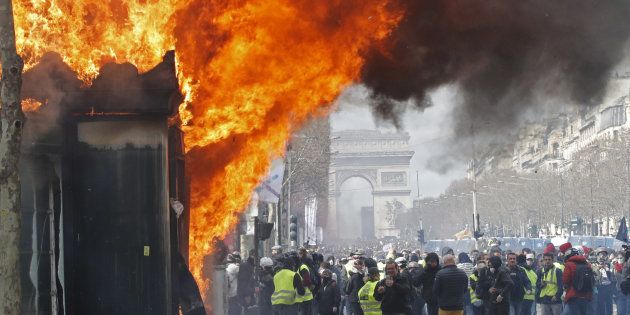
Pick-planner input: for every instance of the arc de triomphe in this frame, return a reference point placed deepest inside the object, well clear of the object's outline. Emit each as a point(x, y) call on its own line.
point(383, 160)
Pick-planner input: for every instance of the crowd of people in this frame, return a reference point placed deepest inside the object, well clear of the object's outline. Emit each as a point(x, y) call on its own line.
point(560, 280)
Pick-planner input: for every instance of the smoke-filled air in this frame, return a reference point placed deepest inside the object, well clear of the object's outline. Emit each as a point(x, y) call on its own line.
point(253, 71)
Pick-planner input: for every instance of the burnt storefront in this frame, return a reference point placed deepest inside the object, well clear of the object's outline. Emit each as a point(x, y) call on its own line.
point(103, 188)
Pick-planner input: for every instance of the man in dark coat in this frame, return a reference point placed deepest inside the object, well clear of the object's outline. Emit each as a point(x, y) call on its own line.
point(393, 291)
point(521, 284)
point(451, 283)
point(496, 285)
point(354, 285)
point(265, 286)
point(329, 296)
point(246, 282)
point(426, 279)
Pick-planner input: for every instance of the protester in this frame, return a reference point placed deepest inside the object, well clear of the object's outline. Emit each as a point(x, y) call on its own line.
point(414, 269)
point(247, 281)
point(303, 264)
point(329, 296)
point(265, 286)
point(521, 284)
point(367, 300)
point(354, 285)
point(288, 287)
point(465, 264)
point(578, 281)
point(451, 283)
point(621, 300)
point(234, 305)
point(604, 284)
point(526, 262)
point(425, 281)
point(495, 284)
point(476, 295)
point(549, 288)
point(393, 292)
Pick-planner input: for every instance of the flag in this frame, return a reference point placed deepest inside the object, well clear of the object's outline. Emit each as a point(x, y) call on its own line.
point(270, 189)
point(463, 234)
point(622, 232)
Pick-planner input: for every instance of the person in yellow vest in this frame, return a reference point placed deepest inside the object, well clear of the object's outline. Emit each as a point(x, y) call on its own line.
point(549, 286)
point(369, 304)
point(476, 301)
point(304, 272)
point(526, 262)
point(287, 288)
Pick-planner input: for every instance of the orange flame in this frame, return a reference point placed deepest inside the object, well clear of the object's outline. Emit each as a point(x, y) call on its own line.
point(89, 34)
point(31, 105)
point(270, 65)
point(252, 72)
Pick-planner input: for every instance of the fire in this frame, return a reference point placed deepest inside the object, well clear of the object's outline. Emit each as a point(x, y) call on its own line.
point(271, 64)
point(90, 33)
point(30, 105)
point(252, 72)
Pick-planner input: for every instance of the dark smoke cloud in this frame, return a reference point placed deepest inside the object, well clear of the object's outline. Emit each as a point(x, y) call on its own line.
point(505, 56)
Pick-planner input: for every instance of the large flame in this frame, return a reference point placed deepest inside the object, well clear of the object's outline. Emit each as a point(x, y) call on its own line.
point(271, 64)
point(90, 33)
point(252, 71)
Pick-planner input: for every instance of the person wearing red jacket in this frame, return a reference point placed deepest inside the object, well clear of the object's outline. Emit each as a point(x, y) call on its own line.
point(578, 302)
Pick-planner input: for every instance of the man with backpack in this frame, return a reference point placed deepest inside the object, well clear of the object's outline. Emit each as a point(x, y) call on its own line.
point(578, 281)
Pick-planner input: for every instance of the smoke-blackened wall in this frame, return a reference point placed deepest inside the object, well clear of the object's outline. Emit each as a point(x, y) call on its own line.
point(505, 56)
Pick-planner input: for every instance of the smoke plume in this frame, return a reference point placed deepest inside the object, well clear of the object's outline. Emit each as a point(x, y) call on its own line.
point(505, 56)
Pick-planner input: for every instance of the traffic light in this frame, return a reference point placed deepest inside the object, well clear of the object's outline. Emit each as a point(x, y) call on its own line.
point(577, 225)
point(293, 230)
point(421, 236)
point(263, 230)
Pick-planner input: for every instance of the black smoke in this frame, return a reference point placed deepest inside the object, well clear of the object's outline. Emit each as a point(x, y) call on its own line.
point(505, 56)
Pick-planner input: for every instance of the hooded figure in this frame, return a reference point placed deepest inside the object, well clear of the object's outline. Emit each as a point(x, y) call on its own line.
point(426, 278)
point(464, 263)
point(495, 284)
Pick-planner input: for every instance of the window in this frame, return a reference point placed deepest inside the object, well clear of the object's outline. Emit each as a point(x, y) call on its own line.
point(613, 116)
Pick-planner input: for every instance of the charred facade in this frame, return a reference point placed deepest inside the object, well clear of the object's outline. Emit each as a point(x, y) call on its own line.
point(101, 167)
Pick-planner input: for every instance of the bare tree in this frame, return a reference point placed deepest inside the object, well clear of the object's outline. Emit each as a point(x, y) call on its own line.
point(11, 125)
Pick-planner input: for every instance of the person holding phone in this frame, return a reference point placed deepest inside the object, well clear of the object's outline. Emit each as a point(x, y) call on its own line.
point(393, 292)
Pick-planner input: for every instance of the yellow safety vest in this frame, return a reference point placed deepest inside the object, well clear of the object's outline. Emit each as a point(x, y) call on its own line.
point(473, 296)
point(369, 304)
point(284, 292)
point(559, 266)
point(308, 295)
point(552, 283)
point(531, 275)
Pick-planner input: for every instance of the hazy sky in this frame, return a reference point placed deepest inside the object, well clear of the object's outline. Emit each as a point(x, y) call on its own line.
point(429, 131)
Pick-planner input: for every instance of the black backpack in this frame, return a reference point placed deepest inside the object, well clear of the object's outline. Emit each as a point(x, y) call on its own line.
point(583, 278)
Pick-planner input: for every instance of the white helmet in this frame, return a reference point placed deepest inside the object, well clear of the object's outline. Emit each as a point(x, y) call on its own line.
point(401, 261)
point(266, 262)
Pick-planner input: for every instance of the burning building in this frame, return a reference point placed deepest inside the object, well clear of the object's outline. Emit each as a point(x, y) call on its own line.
point(103, 185)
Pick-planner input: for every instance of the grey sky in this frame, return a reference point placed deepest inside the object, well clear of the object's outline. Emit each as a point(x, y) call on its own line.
point(429, 131)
